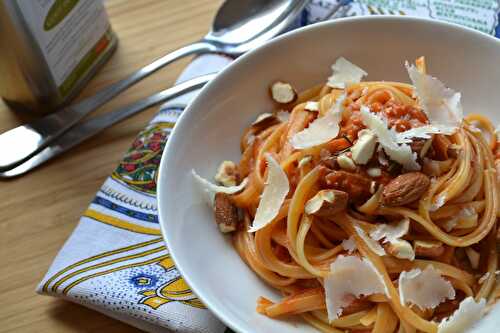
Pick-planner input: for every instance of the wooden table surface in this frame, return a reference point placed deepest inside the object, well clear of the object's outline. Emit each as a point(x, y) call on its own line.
point(40, 210)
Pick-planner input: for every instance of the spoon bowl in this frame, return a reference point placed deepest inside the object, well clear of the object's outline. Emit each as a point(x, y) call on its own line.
point(242, 25)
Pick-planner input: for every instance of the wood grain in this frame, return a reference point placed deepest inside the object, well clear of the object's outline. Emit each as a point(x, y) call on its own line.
point(39, 211)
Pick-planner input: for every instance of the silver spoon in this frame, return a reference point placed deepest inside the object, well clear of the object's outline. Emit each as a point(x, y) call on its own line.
point(239, 26)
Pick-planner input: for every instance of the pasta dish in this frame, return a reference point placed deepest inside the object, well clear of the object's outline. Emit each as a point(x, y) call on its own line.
point(371, 206)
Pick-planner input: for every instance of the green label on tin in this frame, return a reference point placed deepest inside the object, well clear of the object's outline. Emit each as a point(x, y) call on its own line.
point(59, 10)
point(85, 64)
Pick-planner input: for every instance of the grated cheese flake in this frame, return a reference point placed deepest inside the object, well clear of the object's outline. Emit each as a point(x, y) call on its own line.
point(312, 106)
point(391, 231)
point(275, 190)
point(388, 139)
point(468, 313)
point(426, 289)
point(261, 117)
point(211, 189)
point(349, 245)
point(344, 73)
point(441, 104)
point(350, 276)
point(483, 278)
point(424, 132)
point(320, 130)
point(283, 116)
point(370, 242)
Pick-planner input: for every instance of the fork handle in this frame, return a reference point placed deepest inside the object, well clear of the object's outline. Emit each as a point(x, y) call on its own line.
point(38, 134)
point(88, 128)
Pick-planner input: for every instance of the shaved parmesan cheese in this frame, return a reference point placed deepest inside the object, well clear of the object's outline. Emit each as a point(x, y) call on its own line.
point(350, 276)
point(468, 313)
point(370, 242)
point(304, 161)
point(391, 231)
point(425, 289)
point(441, 105)
point(262, 117)
point(437, 202)
point(321, 130)
point(401, 249)
point(349, 245)
point(473, 256)
point(344, 73)
point(283, 116)
point(424, 132)
point(483, 278)
point(312, 106)
point(210, 189)
point(275, 191)
point(466, 218)
point(374, 172)
point(388, 139)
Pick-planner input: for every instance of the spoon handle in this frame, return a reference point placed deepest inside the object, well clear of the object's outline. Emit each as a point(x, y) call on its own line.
point(19, 144)
point(86, 129)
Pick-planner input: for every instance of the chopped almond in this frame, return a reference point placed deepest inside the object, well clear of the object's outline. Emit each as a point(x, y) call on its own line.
point(430, 249)
point(226, 213)
point(326, 203)
point(345, 162)
point(363, 149)
point(283, 93)
point(400, 249)
point(227, 174)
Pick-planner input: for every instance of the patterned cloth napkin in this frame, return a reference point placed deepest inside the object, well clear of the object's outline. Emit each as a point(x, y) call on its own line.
point(116, 262)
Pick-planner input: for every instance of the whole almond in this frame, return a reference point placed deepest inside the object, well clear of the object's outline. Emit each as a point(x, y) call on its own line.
point(405, 189)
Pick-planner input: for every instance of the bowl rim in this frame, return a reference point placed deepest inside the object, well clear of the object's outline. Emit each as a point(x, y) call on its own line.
point(165, 159)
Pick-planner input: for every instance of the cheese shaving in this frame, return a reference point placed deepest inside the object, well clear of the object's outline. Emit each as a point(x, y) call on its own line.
point(312, 106)
point(344, 73)
point(483, 278)
point(370, 242)
point(388, 139)
point(441, 104)
point(391, 231)
point(283, 116)
point(261, 117)
point(304, 161)
point(424, 132)
point(468, 313)
point(350, 276)
point(321, 130)
point(211, 189)
point(426, 289)
point(275, 190)
point(349, 245)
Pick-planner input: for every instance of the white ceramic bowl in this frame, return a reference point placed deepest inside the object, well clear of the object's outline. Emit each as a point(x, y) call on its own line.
point(210, 128)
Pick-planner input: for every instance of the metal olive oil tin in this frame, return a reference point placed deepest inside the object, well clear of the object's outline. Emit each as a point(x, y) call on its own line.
point(49, 49)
